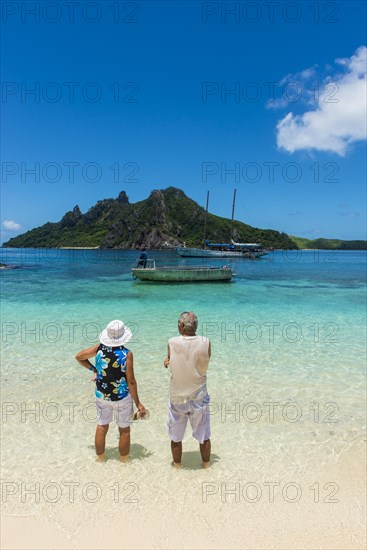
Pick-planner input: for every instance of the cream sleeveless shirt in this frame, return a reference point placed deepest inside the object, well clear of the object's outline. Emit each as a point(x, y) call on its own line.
point(189, 361)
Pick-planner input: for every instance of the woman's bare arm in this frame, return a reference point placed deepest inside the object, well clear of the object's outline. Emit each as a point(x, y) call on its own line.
point(83, 356)
point(132, 383)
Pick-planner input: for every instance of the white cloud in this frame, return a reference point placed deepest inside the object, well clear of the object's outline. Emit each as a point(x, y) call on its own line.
point(340, 117)
point(10, 225)
point(294, 88)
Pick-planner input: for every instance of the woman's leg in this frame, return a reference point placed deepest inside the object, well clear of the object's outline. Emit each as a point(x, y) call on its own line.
point(100, 440)
point(124, 443)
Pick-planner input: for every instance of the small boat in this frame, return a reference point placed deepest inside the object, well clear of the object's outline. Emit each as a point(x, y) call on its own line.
point(177, 274)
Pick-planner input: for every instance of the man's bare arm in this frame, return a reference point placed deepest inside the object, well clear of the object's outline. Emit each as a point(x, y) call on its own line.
point(167, 359)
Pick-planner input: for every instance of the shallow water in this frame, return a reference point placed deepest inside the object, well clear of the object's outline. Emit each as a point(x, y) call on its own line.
point(286, 377)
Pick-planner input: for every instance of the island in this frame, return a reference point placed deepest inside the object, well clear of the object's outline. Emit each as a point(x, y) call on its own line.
point(167, 218)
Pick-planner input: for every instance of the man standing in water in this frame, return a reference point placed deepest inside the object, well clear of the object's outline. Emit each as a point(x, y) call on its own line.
point(188, 358)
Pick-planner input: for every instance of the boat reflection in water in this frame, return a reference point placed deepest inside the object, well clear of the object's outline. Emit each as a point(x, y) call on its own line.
point(173, 274)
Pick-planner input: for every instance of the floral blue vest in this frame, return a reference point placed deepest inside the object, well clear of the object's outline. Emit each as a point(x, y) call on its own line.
point(111, 381)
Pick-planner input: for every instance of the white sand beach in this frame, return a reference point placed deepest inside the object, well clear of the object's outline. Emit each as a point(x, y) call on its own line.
point(173, 513)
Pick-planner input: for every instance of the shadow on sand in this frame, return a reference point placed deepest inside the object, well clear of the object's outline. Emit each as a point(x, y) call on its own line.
point(191, 460)
point(137, 452)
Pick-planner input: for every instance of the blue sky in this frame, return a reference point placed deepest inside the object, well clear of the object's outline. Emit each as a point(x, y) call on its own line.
point(200, 95)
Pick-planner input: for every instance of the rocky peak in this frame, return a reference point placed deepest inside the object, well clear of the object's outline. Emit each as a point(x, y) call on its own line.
point(159, 216)
point(123, 198)
point(157, 194)
point(174, 192)
point(71, 218)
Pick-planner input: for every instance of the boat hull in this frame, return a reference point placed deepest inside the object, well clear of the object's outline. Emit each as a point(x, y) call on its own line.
point(207, 253)
point(204, 253)
point(183, 275)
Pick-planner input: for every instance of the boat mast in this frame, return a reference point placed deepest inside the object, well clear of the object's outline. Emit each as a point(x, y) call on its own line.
point(233, 205)
point(206, 216)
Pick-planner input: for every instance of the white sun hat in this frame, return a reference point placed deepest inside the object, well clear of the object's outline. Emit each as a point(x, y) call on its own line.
point(115, 334)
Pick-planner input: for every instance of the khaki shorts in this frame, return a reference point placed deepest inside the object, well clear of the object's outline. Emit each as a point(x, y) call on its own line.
point(122, 410)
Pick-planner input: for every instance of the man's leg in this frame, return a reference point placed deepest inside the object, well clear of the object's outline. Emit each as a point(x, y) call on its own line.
point(124, 444)
point(200, 423)
point(100, 441)
point(176, 426)
point(176, 448)
point(205, 448)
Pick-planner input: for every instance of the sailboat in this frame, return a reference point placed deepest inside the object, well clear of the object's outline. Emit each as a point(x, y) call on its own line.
point(222, 250)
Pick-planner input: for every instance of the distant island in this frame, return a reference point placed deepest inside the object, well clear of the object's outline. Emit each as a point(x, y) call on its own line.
point(329, 244)
point(166, 218)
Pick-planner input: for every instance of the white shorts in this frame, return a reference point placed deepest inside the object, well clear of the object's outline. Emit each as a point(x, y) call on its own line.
point(197, 412)
point(123, 410)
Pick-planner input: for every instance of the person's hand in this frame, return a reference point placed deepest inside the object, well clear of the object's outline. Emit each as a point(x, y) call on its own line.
point(166, 362)
point(142, 409)
point(94, 370)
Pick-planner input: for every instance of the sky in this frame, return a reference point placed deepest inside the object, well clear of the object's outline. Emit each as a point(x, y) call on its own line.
point(265, 97)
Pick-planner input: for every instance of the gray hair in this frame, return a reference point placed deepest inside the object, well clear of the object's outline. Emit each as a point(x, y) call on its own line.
point(189, 321)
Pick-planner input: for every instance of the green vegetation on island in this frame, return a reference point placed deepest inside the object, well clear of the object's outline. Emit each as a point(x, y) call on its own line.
point(329, 244)
point(166, 217)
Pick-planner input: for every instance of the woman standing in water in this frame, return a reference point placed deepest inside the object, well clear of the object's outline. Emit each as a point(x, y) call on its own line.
point(116, 387)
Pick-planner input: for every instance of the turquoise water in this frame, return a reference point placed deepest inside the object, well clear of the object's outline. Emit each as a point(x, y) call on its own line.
point(286, 379)
point(291, 314)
